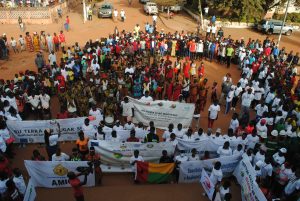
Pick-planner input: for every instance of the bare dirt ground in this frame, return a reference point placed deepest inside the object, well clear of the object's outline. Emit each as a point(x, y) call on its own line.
point(119, 186)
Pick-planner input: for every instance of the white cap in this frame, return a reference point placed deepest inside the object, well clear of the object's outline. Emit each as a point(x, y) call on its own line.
point(274, 133)
point(263, 135)
point(259, 163)
point(218, 130)
point(283, 150)
point(282, 133)
point(289, 133)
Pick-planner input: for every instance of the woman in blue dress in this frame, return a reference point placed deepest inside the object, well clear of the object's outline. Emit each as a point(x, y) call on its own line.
point(137, 86)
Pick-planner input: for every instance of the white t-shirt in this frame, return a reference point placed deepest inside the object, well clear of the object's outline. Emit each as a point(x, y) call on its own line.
point(195, 158)
point(214, 109)
point(53, 139)
point(252, 141)
point(188, 138)
point(45, 100)
point(179, 133)
point(166, 134)
point(146, 99)
point(132, 159)
point(247, 99)
point(278, 159)
point(294, 184)
point(266, 170)
point(181, 158)
point(118, 128)
point(127, 109)
point(62, 157)
point(129, 126)
point(89, 131)
point(20, 184)
point(261, 109)
point(216, 175)
point(2, 144)
point(3, 187)
point(224, 152)
point(234, 124)
point(52, 58)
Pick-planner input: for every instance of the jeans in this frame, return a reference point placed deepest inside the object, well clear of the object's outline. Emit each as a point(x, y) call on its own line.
point(228, 107)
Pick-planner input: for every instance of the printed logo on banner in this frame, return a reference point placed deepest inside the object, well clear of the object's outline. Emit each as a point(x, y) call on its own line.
point(118, 155)
point(123, 146)
point(150, 146)
point(60, 170)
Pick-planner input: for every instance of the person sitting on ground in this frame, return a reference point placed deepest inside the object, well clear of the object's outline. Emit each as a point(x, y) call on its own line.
point(60, 156)
point(165, 158)
point(36, 156)
point(195, 156)
point(132, 137)
point(152, 137)
point(225, 150)
point(75, 155)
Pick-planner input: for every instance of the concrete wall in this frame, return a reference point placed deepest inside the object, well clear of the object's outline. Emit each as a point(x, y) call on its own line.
point(30, 15)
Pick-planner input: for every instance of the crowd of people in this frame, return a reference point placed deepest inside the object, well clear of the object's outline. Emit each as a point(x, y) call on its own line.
point(94, 79)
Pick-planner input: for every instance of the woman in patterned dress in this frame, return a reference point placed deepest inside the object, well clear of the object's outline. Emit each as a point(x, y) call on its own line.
point(29, 44)
point(36, 42)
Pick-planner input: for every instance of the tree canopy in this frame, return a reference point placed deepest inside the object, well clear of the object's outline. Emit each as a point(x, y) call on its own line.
point(168, 2)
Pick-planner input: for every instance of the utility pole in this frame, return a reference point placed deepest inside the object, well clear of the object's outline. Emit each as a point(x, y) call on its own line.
point(84, 11)
point(284, 20)
point(200, 12)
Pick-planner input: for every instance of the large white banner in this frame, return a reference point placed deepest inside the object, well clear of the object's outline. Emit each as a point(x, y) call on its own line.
point(210, 145)
point(207, 184)
point(30, 193)
point(33, 131)
point(53, 174)
point(115, 156)
point(123, 135)
point(246, 177)
point(190, 171)
point(162, 113)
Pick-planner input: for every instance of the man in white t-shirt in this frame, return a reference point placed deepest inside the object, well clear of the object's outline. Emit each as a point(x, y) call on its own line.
point(146, 98)
point(293, 184)
point(247, 98)
point(95, 112)
point(88, 129)
point(213, 111)
point(135, 158)
point(127, 109)
point(52, 58)
point(216, 175)
point(116, 14)
point(129, 125)
point(60, 156)
point(118, 126)
point(45, 102)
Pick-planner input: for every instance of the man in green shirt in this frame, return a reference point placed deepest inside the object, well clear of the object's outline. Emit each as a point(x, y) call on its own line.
point(229, 53)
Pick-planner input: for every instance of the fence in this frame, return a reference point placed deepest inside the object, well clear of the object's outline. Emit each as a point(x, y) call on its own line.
point(34, 15)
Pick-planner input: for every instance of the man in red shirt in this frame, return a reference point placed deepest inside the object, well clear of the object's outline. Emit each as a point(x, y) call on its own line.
point(76, 185)
point(62, 40)
point(132, 137)
point(56, 42)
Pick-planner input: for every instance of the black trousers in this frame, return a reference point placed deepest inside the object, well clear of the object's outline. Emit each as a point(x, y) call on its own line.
point(79, 198)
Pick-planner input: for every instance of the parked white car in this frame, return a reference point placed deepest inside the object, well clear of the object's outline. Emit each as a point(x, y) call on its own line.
point(150, 8)
point(175, 8)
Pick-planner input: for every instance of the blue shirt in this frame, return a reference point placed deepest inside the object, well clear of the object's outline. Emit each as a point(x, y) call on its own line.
point(275, 51)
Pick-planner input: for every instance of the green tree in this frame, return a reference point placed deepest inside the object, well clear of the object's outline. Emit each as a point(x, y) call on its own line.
point(168, 2)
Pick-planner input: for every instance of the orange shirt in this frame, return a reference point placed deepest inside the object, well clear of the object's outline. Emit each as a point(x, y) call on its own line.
point(192, 47)
point(82, 144)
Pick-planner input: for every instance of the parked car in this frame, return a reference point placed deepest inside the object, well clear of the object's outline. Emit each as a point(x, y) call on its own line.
point(105, 10)
point(175, 8)
point(144, 1)
point(150, 8)
point(274, 27)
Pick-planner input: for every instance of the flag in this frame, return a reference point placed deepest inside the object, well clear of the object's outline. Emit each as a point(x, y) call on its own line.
point(207, 184)
point(153, 173)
